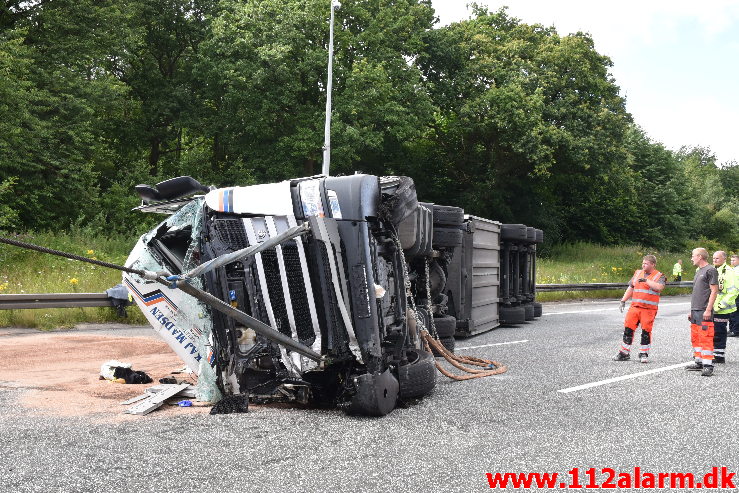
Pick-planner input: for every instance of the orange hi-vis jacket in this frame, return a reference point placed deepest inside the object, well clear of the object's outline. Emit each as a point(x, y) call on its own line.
point(644, 296)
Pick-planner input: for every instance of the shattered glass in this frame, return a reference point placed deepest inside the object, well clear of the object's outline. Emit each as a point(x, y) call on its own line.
point(193, 317)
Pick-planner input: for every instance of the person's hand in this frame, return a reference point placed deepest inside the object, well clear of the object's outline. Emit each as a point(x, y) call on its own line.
point(642, 279)
point(622, 306)
point(707, 315)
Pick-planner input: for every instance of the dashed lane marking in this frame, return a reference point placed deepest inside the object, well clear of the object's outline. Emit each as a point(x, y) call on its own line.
point(623, 377)
point(496, 344)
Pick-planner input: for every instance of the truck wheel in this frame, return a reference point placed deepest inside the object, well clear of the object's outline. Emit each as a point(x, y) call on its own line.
point(511, 315)
point(417, 377)
point(447, 238)
point(513, 232)
point(445, 215)
point(529, 311)
point(445, 325)
point(537, 309)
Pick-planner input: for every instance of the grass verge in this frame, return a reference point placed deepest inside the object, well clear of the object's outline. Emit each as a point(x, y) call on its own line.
point(26, 271)
point(580, 263)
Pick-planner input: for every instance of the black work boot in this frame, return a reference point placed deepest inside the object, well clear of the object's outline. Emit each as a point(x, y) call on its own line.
point(707, 371)
point(694, 367)
point(622, 357)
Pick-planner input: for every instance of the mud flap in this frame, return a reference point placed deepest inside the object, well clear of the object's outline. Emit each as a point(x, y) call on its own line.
point(376, 394)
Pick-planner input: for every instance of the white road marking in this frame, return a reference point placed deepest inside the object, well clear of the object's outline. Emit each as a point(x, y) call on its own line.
point(606, 309)
point(624, 377)
point(496, 344)
point(578, 311)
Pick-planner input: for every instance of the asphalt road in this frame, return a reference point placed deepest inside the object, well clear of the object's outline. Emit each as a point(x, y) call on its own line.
point(666, 421)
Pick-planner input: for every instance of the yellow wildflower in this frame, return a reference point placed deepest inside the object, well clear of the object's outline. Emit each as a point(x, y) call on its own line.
point(74, 281)
point(91, 252)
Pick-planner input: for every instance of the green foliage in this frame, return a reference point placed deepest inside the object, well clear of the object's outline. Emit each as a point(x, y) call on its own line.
point(533, 117)
point(509, 120)
point(8, 216)
point(581, 262)
point(26, 271)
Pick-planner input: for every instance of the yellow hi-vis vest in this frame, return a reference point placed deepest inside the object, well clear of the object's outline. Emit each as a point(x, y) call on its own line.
point(727, 290)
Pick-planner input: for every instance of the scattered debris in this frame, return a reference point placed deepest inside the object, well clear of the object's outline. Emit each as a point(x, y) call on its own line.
point(155, 400)
point(116, 371)
point(189, 390)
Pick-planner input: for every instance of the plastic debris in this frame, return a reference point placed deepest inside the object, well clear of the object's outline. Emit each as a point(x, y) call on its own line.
point(119, 372)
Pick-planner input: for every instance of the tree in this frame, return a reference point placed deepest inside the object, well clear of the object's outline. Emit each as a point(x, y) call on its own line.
point(667, 205)
point(717, 206)
point(264, 68)
point(531, 125)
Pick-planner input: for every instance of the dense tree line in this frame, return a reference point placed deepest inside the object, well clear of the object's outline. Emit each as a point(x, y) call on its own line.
point(509, 120)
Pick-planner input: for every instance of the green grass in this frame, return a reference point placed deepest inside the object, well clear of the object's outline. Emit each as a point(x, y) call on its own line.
point(580, 263)
point(26, 271)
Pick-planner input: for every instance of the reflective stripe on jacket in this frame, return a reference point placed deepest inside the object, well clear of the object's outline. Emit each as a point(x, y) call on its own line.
point(727, 290)
point(644, 296)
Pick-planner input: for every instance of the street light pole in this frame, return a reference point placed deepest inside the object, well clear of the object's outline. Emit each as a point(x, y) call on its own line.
point(327, 130)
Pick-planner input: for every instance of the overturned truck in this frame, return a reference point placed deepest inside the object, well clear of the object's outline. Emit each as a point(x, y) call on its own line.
point(315, 290)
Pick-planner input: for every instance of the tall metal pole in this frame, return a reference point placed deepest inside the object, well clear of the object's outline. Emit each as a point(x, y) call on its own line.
point(327, 130)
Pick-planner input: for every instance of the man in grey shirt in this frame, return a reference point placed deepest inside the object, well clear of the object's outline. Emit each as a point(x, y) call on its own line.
point(705, 289)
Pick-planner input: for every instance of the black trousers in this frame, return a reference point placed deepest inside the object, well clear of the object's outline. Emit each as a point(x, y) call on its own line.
point(720, 323)
point(734, 322)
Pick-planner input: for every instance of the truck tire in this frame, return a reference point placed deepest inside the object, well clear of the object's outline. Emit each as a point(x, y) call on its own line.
point(445, 215)
point(537, 309)
point(447, 238)
point(529, 311)
point(417, 377)
point(512, 315)
point(445, 326)
point(513, 232)
point(399, 200)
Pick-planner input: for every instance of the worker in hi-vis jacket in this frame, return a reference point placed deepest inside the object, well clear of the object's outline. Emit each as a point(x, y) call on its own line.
point(644, 291)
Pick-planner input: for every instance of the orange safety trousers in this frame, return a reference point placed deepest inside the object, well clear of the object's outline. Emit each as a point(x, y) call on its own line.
point(701, 336)
point(637, 316)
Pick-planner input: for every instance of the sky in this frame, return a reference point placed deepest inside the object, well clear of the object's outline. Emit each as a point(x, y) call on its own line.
point(675, 61)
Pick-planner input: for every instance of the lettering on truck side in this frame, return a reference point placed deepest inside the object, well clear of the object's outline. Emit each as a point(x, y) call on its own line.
point(178, 335)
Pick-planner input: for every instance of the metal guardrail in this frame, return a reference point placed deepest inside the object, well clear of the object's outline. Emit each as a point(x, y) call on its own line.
point(54, 300)
point(600, 286)
point(86, 300)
